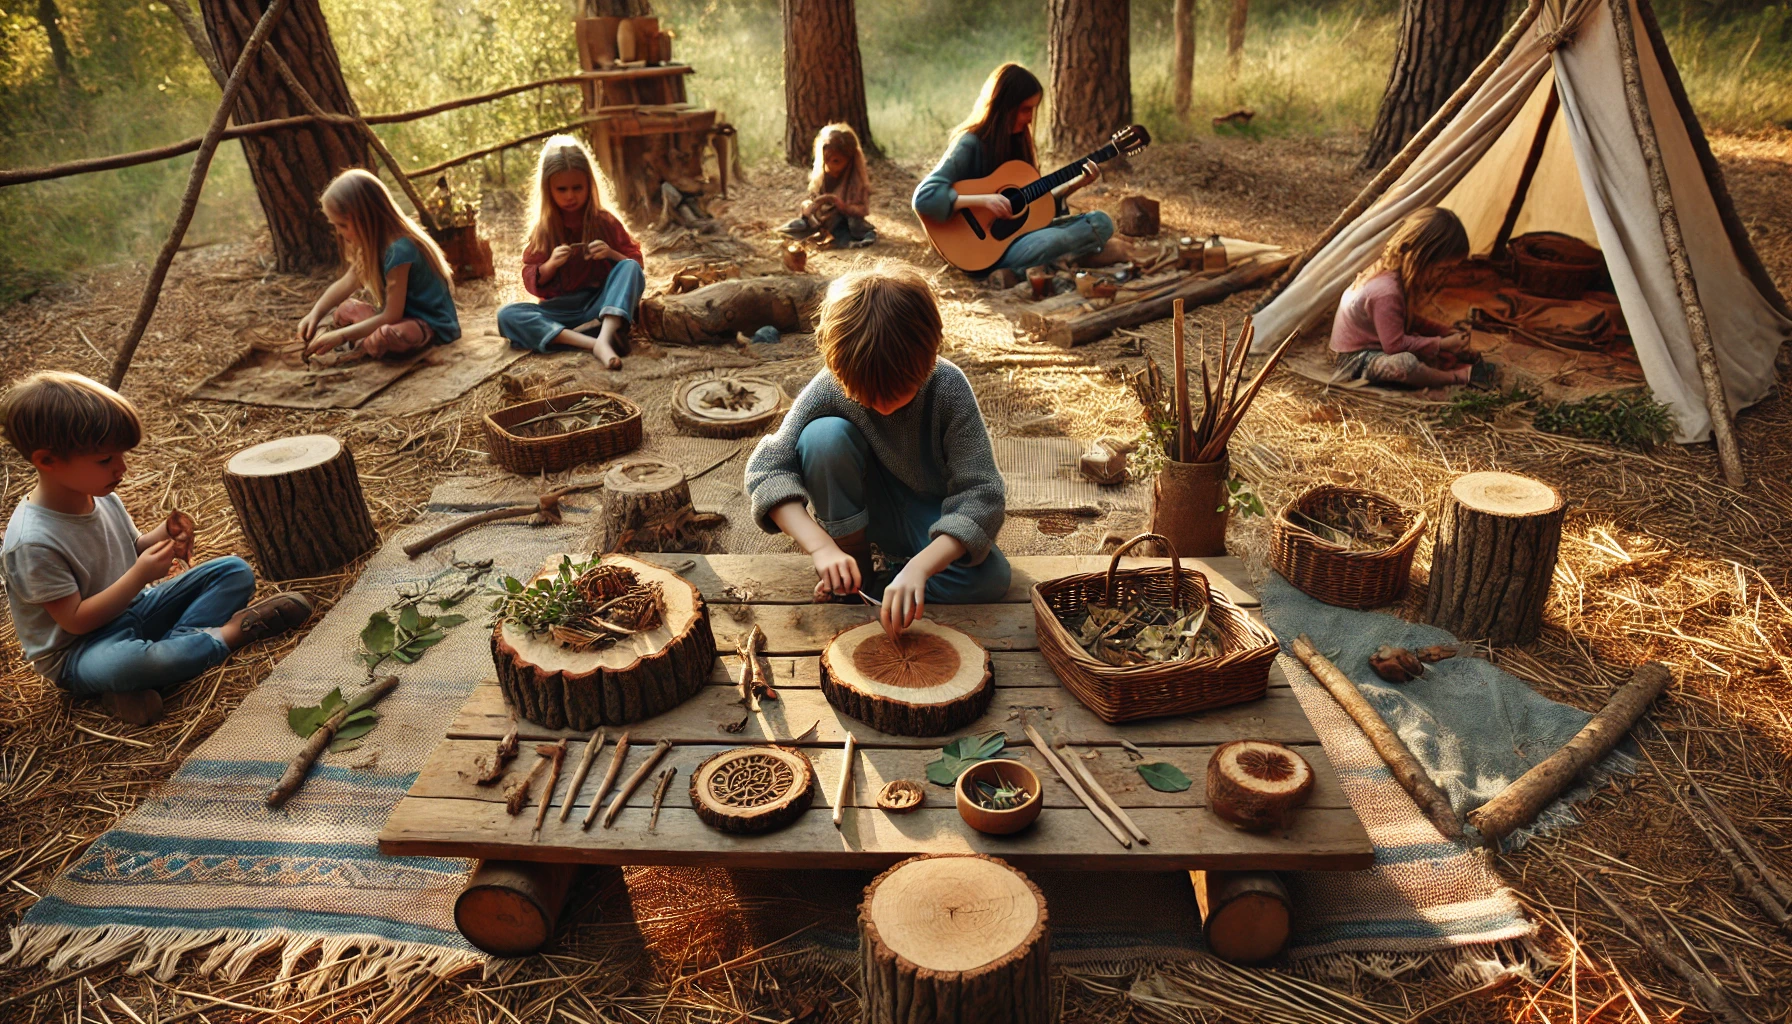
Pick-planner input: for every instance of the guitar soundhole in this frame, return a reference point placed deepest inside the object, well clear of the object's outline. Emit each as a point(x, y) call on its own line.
point(1002, 230)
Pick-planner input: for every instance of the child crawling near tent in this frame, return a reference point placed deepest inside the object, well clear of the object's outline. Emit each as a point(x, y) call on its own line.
point(1376, 336)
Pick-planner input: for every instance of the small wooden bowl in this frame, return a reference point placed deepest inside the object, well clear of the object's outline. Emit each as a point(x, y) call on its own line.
point(999, 823)
point(900, 796)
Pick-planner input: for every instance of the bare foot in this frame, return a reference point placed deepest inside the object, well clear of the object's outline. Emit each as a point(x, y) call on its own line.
point(605, 354)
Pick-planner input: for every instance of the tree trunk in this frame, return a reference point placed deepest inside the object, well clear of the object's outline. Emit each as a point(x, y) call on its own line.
point(291, 168)
point(618, 9)
point(646, 507)
point(1241, 12)
point(1441, 43)
point(1182, 67)
point(1089, 52)
point(51, 18)
point(933, 680)
point(824, 80)
point(1244, 914)
point(722, 310)
point(300, 505)
point(1494, 557)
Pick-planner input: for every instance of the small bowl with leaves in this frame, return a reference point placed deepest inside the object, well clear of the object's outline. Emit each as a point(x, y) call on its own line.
point(998, 797)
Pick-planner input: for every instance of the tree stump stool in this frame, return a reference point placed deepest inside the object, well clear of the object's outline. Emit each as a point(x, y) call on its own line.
point(635, 677)
point(1138, 217)
point(511, 907)
point(1244, 914)
point(727, 406)
point(646, 507)
point(954, 940)
point(933, 680)
point(1494, 557)
point(299, 502)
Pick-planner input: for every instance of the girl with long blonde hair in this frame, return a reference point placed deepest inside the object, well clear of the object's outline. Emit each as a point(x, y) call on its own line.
point(1377, 337)
point(396, 261)
point(839, 192)
point(1000, 129)
point(578, 259)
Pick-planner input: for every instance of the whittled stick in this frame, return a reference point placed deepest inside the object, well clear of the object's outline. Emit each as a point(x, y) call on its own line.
point(516, 795)
point(592, 746)
point(634, 781)
point(603, 788)
point(1076, 787)
point(845, 779)
point(1114, 808)
point(659, 797)
point(501, 757)
point(547, 795)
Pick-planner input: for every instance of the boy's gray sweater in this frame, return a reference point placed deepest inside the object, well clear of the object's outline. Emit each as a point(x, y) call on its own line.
point(937, 444)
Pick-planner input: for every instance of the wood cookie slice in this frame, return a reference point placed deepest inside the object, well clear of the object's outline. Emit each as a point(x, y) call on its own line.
point(749, 790)
point(727, 406)
point(1257, 785)
point(934, 680)
point(636, 677)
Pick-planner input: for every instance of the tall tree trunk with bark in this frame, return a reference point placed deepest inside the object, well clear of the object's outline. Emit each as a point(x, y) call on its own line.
point(618, 9)
point(1241, 13)
point(824, 79)
point(1441, 42)
point(290, 168)
point(51, 18)
point(1089, 52)
point(1182, 67)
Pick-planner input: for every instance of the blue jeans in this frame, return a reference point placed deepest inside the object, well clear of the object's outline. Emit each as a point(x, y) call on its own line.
point(1082, 235)
point(533, 325)
point(160, 640)
point(851, 491)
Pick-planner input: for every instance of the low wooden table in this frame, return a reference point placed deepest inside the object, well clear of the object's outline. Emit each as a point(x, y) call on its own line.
point(445, 814)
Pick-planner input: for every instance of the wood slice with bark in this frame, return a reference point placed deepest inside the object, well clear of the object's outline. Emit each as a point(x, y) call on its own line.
point(949, 939)
point(510, 908)
point(635, 677)
point(1257, 785)
point(727, 406)
point(299, 502)
point(932, 680)
point(1138, 217)
point(749, 790)
point(646, 507)
point(718, 312)
point(1244, 914)
point(1494, 557)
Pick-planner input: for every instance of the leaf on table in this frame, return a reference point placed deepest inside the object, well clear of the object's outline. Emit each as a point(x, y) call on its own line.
point(963, 752)
point(409, 619)
point(379, 635)
point(1164, 777)
point(449, 621)
point(362, 715)
point(305, 720)
point(339, 745)
point(355, 731)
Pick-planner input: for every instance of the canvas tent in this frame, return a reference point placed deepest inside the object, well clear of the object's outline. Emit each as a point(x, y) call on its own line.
point(1588, 179)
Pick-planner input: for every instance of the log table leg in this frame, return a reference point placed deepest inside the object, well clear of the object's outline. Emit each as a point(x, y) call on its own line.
point(300, 505)
point(1494, 557)
point(1244, 914)
point(511, 907)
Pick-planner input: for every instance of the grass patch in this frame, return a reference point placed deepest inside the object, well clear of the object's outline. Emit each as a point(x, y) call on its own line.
point(1628, 419)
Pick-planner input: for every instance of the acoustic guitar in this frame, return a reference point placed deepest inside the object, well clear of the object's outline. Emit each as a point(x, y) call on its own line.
point(974, 241)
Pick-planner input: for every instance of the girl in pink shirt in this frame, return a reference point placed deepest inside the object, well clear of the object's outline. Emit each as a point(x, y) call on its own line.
point(1376, 337)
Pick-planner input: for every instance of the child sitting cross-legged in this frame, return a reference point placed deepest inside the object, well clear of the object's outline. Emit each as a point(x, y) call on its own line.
point(839, 193)
point(886, 447)
point(89, 601)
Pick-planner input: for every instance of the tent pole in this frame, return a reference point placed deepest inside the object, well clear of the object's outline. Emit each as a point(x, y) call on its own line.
point(1723, 431)
point(1529, 172)
point(1414, 146)
point(1714, 174)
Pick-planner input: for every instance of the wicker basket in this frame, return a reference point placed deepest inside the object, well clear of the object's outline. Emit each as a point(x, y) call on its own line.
point(1555, 265)
point(1122, 693)
point(555, 452)
point(1349, 579)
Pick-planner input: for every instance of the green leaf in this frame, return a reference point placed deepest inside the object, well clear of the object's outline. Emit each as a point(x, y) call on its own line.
point(304, 721)
point(423, 643)
point(331, 702)
point(946, 770)
point(1164, 777)
point(404, 657)
point(354, 732)
point(377, 636)
point(409, 619)
point(338, 746)
point(450, 621)
point(363, 715)
point(963, 752)
point(512, 584)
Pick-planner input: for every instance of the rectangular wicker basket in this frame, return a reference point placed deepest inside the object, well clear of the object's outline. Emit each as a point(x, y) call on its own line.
point(1348, 579)
point(1122, 693)
point(555, 452)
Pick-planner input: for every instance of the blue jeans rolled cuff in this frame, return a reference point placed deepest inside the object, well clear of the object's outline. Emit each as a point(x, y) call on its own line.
point(535, 325)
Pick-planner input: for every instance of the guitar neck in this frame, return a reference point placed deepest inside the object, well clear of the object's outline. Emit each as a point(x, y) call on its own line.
point(1068, 172)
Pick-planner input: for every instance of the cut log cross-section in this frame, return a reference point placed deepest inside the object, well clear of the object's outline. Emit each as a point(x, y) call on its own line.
point(299, 502)
point(1494, 558)
point(954, 940)
point(635, 677)
point(749, 790)
point(931, 680)
point(727, 406)
point(1244, 914)
point(510, 908)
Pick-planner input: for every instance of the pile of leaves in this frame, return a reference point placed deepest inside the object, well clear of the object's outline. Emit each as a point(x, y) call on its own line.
point(583, 414)
point(1143, 633)
point(584, 606)
point(1628, 419)
point(963, 752)
point(308, 720)
point(732, 397)
point(1004, 797)
point(1351, 527)
point(402, 632)
point(1479, 406)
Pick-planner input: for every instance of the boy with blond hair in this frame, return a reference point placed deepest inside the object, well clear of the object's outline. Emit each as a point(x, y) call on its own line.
point(89, 603)
point(886, 447)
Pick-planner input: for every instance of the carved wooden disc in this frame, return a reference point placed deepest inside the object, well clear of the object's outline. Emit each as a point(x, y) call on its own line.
point(1256, 785)
point(752, 789)
point(727, 406)
point(933, 680)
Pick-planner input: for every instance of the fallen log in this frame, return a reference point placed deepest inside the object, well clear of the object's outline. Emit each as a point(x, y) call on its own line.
point(301, 763)
point(717, 312)
point(1090, 326)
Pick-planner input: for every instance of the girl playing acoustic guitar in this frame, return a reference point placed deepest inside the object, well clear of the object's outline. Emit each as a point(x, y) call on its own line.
point(1000, 129)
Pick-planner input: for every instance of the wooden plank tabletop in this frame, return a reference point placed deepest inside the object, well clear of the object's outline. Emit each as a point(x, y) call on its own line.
point(445, 814)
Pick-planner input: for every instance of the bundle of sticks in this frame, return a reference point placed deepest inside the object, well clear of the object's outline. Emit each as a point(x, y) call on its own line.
point(1222, 404)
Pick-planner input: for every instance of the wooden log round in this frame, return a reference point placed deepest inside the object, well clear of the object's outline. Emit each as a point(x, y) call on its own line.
point(1494, 557)
point(646, 507)
point(1244, 914)
point(933, 680)
point(954, 939)
point(299, 502)
point(510, 907)
point(1138, 217)
point(727, 406)
point(1257, 785)
point(636, 677)
point(719, 311)
point(749, 790)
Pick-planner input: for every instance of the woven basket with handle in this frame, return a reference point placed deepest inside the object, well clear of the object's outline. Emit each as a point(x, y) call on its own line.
point(1329, 572)
point(1121, 693)
point(554, 452)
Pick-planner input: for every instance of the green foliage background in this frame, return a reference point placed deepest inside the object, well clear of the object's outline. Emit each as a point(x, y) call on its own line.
point(1310, 67)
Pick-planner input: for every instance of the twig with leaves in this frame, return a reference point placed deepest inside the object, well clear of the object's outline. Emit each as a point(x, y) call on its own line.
point(405, 637)
point(326, 729)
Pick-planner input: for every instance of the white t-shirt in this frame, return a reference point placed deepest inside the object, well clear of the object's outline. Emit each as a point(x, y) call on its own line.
point(48, 555)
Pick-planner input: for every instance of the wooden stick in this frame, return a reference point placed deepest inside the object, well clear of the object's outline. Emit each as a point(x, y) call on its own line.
point(202, 44)
point(1518, 804)
point(208, 146)
point(1222, 435)
point(1712, 994)
point(1195, 292)
point(592, 746)
point(516, 795)
point(1772, 878)
point(502, 756)
point(1045, 750)
point(634, 781)
point(301, 763)
point(1076, 761)
point(547, 795)
point(845, 786)
point(750, 675)
point(659, 796)
point(1184, 425)
point(603, 788)
point(1392, 749)
point(547, 506)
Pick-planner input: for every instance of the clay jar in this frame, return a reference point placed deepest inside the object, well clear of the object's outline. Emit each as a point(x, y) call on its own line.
point(1189, 507)
point(993, 822)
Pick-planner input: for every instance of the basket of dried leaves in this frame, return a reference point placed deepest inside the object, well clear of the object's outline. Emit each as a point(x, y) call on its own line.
point(563, 431)
point(1149, 642)
point(1347, 546)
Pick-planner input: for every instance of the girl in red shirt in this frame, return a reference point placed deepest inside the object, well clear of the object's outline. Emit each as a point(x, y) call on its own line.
point(578, 259)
